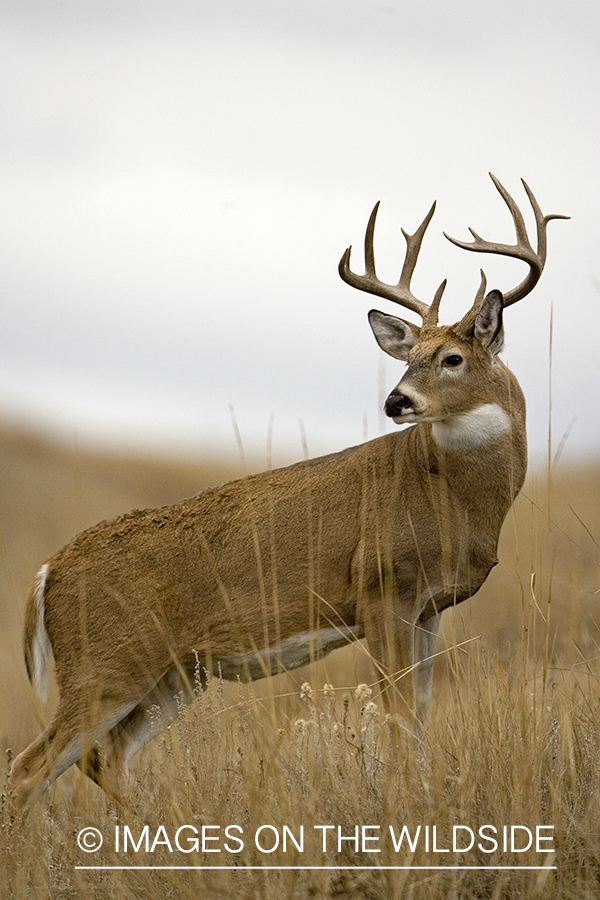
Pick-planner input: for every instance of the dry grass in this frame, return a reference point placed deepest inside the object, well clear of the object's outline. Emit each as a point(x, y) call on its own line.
point(513, 735)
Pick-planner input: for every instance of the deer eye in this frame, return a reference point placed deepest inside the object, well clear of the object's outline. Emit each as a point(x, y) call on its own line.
point(453, 360)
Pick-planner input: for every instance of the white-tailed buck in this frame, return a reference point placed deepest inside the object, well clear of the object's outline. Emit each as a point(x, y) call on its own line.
point(272, 571)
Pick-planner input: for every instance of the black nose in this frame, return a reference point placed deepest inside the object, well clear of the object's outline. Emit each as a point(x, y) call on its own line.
point(396, 404)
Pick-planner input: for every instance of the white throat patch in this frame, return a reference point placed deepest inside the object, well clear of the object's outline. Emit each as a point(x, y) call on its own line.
point(468, 430)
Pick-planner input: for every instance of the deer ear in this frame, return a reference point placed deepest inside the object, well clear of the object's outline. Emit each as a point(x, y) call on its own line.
point(394, 336)
point(488, 322)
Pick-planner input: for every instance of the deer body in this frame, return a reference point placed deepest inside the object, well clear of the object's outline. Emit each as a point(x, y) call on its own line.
point(269, 572)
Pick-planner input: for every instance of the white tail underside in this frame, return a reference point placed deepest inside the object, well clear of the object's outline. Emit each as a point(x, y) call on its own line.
point(40, 646)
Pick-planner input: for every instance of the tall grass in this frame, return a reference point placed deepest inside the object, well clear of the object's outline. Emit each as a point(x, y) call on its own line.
point(513, 744)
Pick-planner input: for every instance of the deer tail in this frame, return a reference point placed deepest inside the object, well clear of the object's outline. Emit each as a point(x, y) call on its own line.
point(37, 646)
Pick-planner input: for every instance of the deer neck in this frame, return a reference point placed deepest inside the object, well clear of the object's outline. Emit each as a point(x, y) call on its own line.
point(482, 453)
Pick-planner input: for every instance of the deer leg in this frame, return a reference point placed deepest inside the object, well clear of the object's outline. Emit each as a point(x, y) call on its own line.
point(402, 654)
point(150, 716)
point(61, 745)
point(391, 645)
point(424, 647)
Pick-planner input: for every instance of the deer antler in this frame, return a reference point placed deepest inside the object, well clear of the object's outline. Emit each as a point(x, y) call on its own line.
point(398, 293)
point(522, 249)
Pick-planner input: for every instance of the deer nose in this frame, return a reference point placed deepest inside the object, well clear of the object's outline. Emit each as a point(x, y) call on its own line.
point(396, 404)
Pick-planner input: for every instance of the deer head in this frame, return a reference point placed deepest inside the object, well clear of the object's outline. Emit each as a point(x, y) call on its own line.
point(452, 376)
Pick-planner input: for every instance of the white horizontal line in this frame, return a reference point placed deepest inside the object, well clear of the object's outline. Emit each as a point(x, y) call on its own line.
point(306, 868)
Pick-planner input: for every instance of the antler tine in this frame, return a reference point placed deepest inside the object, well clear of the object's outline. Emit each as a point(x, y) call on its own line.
point(523, 250)
point(541, 221)
point(398, 293)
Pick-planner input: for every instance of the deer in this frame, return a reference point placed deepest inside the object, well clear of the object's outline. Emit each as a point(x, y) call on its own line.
point(267, 573)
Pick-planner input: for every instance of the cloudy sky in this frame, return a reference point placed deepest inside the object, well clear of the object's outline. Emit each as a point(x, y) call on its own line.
point(179, 179)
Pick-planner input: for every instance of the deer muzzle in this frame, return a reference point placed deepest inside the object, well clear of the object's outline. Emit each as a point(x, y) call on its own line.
point(398, 405)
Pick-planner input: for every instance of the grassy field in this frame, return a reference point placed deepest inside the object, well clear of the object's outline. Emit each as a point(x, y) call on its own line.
point(300, 770)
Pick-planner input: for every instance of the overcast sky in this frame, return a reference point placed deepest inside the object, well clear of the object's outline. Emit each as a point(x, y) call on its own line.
point(178, 181)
